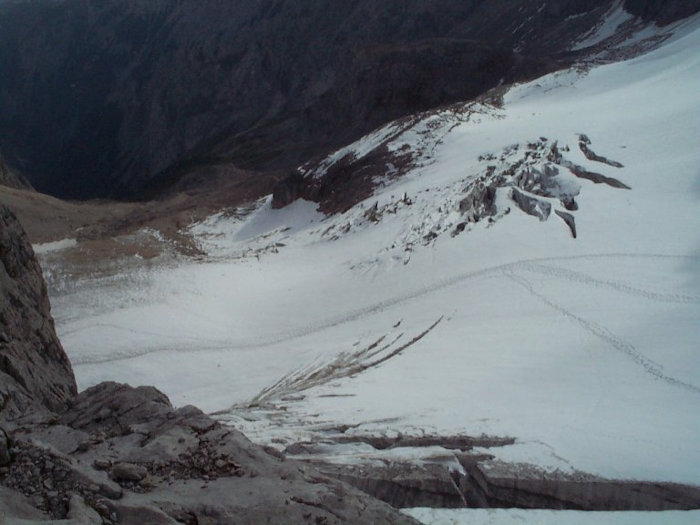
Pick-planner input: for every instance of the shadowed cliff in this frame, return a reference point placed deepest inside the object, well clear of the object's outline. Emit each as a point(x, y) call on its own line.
point(106, 98)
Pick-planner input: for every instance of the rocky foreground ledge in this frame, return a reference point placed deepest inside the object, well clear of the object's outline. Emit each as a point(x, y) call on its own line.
point(117, 454)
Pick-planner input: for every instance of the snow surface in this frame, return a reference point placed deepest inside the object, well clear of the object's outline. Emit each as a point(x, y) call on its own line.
point(63, 244)
point(550, 517)
point(585, 350)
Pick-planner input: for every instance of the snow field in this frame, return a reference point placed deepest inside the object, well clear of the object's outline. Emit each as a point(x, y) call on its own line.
point(584, 350)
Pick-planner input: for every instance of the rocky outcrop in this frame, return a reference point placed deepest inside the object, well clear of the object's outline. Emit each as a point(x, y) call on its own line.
point(479, 203)
point(122, 454)
point(568, 220)
point(34, 369)
point(531, 205)
point(538, 174)
point(584, 144)
point(10, 178)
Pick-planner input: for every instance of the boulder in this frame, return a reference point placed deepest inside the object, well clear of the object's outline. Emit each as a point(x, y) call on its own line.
point(128, 472)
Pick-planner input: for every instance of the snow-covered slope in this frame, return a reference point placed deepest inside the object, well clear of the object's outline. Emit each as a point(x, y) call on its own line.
point(457, 299)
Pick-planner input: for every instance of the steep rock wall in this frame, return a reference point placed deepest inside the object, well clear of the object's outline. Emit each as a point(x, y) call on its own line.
point(34, 369)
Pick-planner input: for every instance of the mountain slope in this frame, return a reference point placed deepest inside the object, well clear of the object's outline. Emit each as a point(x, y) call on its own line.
point(452, 298)
point(110, 98)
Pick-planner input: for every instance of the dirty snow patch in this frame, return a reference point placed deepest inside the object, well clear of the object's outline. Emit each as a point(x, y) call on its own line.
point(55, 246)
point(548, 517)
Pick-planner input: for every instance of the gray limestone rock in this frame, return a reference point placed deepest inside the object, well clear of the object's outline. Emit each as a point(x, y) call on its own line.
point(569, 220)
point(60, 437)
point(128, 472)
point(80, 514)
point(15, 505)
point(197, 467)
point(531, 205)
point(139, 514)
point(168, 465)
point(34, 369)
point(584, 144)
point(479, 203)
point(112, 408)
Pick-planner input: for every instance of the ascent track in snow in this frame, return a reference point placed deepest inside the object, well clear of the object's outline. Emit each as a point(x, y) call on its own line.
point(619, 344)
point(537, 265)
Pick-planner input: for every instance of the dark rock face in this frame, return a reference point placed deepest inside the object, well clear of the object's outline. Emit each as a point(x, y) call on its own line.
point(663, 12)
point(11, 179)
point(287, 190)
point(33, 366)
point(103, 96)
point(347, 182)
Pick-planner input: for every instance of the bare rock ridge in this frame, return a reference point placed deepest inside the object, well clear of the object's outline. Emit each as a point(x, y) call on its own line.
point(112, 97)
point(33, 366)
point(10, 178)
point(117, 454)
